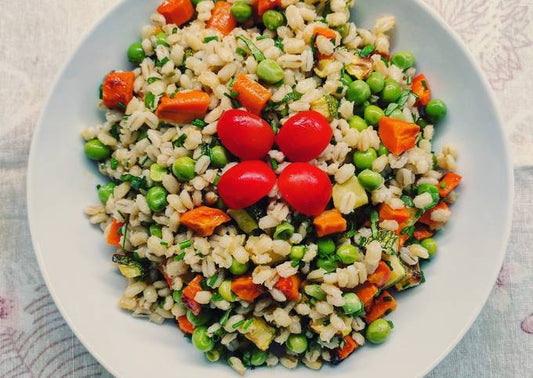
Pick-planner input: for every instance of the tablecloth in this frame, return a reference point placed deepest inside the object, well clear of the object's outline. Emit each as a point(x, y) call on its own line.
point(36, 38)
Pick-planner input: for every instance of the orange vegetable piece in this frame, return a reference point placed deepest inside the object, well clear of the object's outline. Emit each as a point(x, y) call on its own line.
point(383, 305)
point(329, 222)
point(397, 135)
point(114, 234)
point(402, 238)
point(185, 325)
point(381, 275)
point(325, 32)
point(388, 213)
point(176, 11)
point(420, 87)
point(183, 107)
point(348, 348)
point(426, 217)
point(448, 183)
point(117, 89)
point(221, 18)
point(366, 293)
point(264, 5)
point(189, 293)
point(290, 287)
point(422, 232)
point(245, 288)
point(203, 220)
point(252, 95)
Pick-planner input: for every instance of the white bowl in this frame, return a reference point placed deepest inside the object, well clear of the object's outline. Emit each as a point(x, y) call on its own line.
point(430, 320)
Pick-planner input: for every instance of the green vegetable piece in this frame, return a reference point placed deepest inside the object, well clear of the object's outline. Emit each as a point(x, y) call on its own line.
point(378, 331)
point(373, 114)
point(196, 2)
point(258, 357)
point(155, 230)
point(219, 157)
point(258, 55)
point(129, 267)
point(326, 246)
point(136, 53)
point(237, 268)
point(403, 59)
point(183, 168)
point(352, 304)
point(297, 252)
point(161, 39)
point(391, 92)
point(241, 11)
point(370, 180)
point(376, 82)
point(357, 123)
point(413, 277)
point(328, 264)
point(315, 291)
point(201, 340)
point(225, 291)
point(214, 354)
point(348, 254)
point(436, 110)
point(297, 343)
point(157, 172)
point(364, 159)
point(382, 150)
point(273, 19)
point(352, 186)
point(96, 150)
point(244, 220)
point(431, 245)
point(358, 92)
point(270, 72)
point(200, 319)
point(105, 191)
point(342, 30)
point(157, 199)
point(397, 114)
point(284, 231)
point(431, 189)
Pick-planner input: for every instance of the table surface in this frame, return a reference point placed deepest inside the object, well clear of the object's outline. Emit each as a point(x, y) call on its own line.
point(37, 37)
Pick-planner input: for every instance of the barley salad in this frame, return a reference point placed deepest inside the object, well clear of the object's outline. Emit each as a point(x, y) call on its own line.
point(271, 178)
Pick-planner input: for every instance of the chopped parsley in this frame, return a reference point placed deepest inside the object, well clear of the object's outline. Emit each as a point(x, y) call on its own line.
point(185, 244)
point(152, 79)
point(366, 51)
point(150, 100)
point(179, 142)
point(113, 163)
point(179, 257)
point(199, 123)
point(209, 39)
point(162, 62)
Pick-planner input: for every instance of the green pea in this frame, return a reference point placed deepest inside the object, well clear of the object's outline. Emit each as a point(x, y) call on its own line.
point(373, 114)
point(352, 304)
point(391, 92)
point(258, 357)
point(431, 189)
point(403, 59)
point(176, 295)
point(378, 331)
point(370, 180)
point(201, 340)
point(297, 252)
point(357, 123)
point(436, 110)
point(198, 320)
point(237, 268)
point(326, 246)
point(219, 157)
point(297, 343)
point(376, 82)
point(136, 53)
point(225, 291)
point(358, 92)
point(270, 72)
point(431, 245)
point(382, 150)
point(156, 199)
point(364, 159)
point(328, 264)
point(315, 291)
point(155, 230)
point(183, 168)
point(241, 11)
point(397, 114)
point(213, 355)
point(284, 231)
point(161, 39)
point(157, 172)
point(273, 19)
point(105, 191)
point(348, 254)
point(96, 150)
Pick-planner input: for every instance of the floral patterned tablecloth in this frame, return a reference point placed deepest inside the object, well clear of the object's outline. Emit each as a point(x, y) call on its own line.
point(37, 36)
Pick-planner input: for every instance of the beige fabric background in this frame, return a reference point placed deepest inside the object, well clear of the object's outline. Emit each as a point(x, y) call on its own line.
point(36, 38)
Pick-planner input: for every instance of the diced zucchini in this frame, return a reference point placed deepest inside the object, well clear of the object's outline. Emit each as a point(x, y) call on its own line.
point(414, 277)
point(360, 67)
point(388, 241)
point(318, 326)
point(328, 106)
point(398, 270)
point(129, 267)
point(351, 186)
point(322, 68)
point(260, 333)
point(244, 220)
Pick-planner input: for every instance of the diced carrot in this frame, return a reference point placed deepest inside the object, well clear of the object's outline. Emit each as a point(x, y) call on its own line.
point(422, 232)
point(448, 183)
point(325, 32)
point(264, 5)
point(245, 288)
point(366, 293)
point(114, 233)
point(185, 325)
point(221, 18)
point(117, 89)
point(183, 107)
point(426, 217)
point(167, 278)
point(252, 95)
point(189, 293)
point(383, 305)
point(329, 222)
point(388, 213)
point(420, 87)
point(402, 238)
point(397, 135)
point(176, 11)
point(381, 275)
point(348, 348)
point(203, 220)
point(290, 287)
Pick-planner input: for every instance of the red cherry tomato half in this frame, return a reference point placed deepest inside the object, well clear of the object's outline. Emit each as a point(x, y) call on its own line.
point(244, 134)
point(306, 188)
point(246, 183)
point(304, 136)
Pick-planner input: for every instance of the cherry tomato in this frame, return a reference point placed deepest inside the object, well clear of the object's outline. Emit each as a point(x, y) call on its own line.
point(304, 136)
point(246, 183)
point(244, 134)
point(305, 187)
